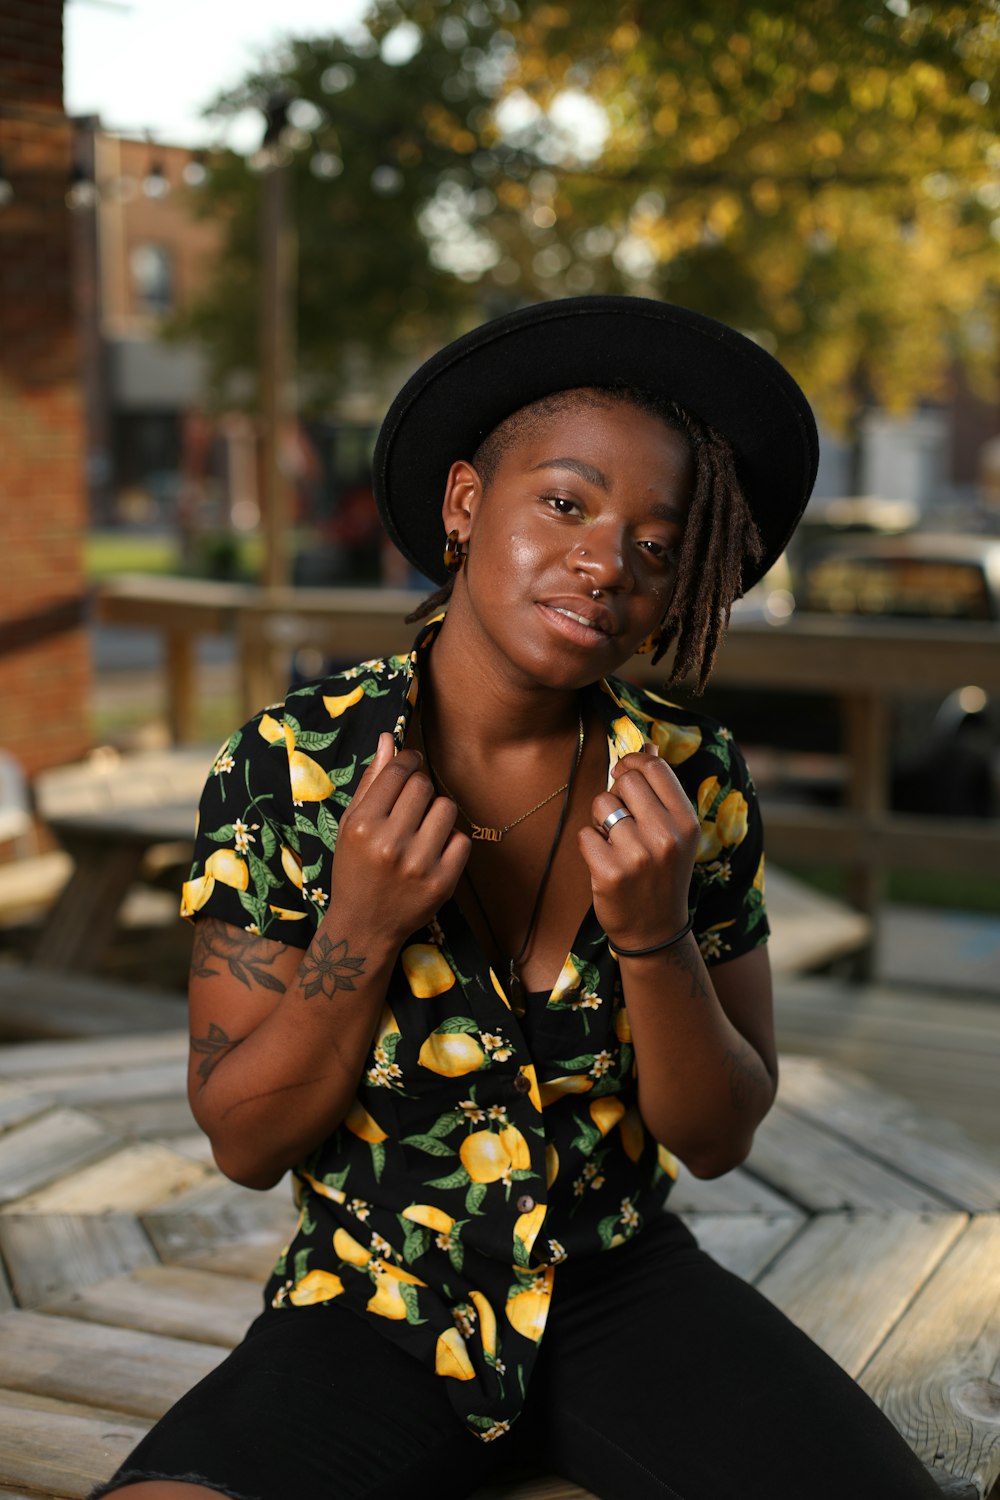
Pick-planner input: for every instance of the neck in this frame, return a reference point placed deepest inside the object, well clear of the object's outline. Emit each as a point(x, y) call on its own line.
point(473, 684)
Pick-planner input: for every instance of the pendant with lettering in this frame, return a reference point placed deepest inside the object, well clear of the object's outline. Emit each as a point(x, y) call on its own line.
point(486, 835)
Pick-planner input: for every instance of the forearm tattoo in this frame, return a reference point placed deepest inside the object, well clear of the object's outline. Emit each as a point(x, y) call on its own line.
point(745, 1069)
point(246, 955)
point(687, 960)
point(328, 967)
point(213, 1047)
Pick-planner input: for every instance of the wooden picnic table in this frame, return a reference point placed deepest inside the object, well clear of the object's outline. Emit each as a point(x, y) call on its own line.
point(132, 1265)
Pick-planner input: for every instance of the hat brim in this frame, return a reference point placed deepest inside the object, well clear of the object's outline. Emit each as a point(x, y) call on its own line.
point(463, 392)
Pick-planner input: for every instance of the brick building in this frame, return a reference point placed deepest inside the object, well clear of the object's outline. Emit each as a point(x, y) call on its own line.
point(44, 663)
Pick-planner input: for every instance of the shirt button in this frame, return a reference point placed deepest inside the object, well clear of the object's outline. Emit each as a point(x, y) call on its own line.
point(525, 1204)
point(522, 1083)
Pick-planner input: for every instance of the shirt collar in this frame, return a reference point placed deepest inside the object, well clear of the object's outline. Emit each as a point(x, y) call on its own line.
point(623, 724)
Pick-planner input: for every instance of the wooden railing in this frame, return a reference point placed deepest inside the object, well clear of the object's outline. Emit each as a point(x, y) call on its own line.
point(866, 664)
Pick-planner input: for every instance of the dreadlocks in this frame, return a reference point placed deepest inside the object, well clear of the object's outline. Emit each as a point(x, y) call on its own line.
point(719, 533)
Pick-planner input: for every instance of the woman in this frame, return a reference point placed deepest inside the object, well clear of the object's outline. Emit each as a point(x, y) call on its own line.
point(479, 954)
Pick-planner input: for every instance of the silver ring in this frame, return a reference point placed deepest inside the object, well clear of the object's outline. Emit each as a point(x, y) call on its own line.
point(613, 818)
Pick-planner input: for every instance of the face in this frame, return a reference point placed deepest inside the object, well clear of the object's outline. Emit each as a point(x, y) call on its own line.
point(572, 551)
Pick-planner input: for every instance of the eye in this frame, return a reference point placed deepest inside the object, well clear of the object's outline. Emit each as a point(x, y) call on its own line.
point(662, 552)
point(563, 505)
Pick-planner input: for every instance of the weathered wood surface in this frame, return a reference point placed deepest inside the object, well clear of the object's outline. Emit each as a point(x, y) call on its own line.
point(132, 1265)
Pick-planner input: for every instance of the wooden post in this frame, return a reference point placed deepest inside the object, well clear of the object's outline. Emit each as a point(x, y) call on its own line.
point(276, 398)
point(866, 747)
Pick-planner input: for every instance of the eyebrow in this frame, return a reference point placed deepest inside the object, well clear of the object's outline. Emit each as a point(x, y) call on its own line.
point(659, 509)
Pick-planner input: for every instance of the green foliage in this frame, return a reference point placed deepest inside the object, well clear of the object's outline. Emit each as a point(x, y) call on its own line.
point(823, 175)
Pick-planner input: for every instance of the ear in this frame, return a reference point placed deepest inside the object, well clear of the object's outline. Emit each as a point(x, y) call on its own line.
point(463, 492)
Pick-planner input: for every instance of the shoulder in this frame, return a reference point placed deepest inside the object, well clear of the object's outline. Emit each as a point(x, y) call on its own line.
point(693, 743)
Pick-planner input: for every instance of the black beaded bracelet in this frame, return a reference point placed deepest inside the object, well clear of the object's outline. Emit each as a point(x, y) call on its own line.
point(656, 948)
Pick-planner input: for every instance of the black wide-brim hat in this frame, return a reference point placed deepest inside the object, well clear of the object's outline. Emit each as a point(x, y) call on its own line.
point(463, 392)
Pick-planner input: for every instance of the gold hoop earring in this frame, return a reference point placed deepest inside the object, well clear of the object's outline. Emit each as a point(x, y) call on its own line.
point(454, 556)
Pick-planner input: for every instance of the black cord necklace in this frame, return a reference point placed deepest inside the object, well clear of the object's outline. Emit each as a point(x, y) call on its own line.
point(515, 988)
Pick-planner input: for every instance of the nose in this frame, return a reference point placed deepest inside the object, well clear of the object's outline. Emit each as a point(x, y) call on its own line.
point(601, 560)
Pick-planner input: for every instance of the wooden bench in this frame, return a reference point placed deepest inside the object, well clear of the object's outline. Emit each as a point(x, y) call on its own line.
point(132, 1265)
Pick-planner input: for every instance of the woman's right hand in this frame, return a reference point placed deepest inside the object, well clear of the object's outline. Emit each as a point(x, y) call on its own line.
point(399, 855)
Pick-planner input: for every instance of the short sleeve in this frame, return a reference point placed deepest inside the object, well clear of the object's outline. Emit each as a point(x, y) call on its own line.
point(246, 868)
point(730, 918)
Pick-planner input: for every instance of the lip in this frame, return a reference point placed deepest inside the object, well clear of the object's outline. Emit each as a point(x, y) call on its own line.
point(595, 625)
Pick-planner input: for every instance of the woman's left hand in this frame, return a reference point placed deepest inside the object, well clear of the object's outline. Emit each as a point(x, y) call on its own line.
point(641, 870)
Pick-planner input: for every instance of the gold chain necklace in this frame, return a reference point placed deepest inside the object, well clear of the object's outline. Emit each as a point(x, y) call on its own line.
point(482, 832)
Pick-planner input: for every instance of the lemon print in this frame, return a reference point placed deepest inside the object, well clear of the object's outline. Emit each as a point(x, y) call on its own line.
point(709, 844)
point(667, 1161)
point(633, 1133)
point(318, 1286)
point(226, 865)
point(386, 1024)
point(500, 989)
point(516, 1147)
point(551, 1165)
point(487, 1323)
point(529, 1072)
point(731, 819)
point(451, 1356)
point(527, 1310)
point(285, 914)
point(484, 1156)
point(527, 1226)
point(675, 742)
point(451, 1053)
point(347, 1248)
point(628, 739)
point(387, 1300)
point(569, 980)
point(360, 1123)
point(194, 894)
point(309, 781)
point(606, 1112)
point(336, 706)
point(292, 865)
point(707, 792)
point(324, 1189)
point(430, 1217)
point(623, 1026)
point(758, 880)
point(426, 970)
point(270, 729)
point(574, 1083)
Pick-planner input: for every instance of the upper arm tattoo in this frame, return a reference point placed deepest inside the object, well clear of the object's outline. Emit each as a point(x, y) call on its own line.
point(213, 1048)
point(245, 954)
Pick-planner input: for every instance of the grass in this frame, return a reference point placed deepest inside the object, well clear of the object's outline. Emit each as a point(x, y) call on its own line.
point(914, 888)
point(109, 553)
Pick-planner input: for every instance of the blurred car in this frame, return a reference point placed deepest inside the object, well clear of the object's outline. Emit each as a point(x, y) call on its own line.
point(945, 753)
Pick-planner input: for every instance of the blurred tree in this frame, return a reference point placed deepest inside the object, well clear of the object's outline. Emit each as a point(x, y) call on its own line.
point(825, 175)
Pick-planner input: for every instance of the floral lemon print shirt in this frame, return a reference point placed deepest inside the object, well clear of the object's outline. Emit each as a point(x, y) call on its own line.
point(484, 1147)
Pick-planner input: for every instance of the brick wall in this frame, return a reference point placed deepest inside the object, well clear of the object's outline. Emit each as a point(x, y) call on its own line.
point(44, 658)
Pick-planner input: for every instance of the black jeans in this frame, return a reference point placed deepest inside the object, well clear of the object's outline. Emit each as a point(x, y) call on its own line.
point(661, 1376)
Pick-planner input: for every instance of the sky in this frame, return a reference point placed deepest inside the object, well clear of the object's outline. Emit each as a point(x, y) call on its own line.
point(153, 65)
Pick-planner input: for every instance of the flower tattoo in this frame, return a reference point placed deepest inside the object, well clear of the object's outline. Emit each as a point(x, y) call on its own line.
point(328, 967)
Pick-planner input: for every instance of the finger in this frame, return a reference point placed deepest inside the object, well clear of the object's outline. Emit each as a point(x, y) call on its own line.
point(454, 857)
point(594, 847)
point(657, 775)
point(382, 792)
point(407, 812)
point(384, 752)
point(641, 797)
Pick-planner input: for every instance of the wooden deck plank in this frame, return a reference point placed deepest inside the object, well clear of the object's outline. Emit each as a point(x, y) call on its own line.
point(19, 1103)
point(937, 1375)
point(157, 1080)
point(738, 1192)
point(53, 1450)
point(745, 1243)
point(48, 1256)
point(57, 1142)
point(93, 1054)
point(821, 1171)
point(183, 1303)
point(141, 1374)
point(131, 1180)
point(160, 1119)
point(219, 1213)
point(36, 1003)
point(846, 1279)
point(252, 1258)
point(933, 1153)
